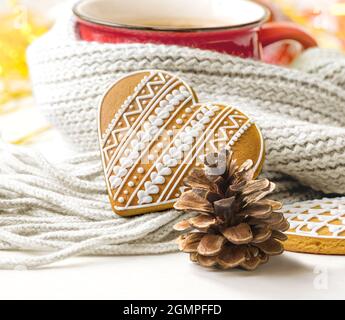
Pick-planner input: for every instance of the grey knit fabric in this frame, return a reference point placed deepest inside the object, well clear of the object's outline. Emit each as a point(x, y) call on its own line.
point(300, 110)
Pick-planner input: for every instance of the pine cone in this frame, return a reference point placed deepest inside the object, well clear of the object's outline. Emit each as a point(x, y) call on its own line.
point(236, 226)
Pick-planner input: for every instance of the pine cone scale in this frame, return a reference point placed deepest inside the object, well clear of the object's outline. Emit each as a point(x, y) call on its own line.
point(240, 234)
point(211, 245)
point(183, 225)
point(255, 186)
point(190, 242)
point(259, 211)
point(232, 257)
point(274, 204)
point(207, 262)
point(259, 195)
point(282, 227)
point(191, 201)
point(271, 247)
point(203, 222)
point(279, 236)
point(251, 264)
point(261, 234)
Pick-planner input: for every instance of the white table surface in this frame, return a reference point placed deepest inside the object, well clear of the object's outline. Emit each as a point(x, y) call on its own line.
point(172, 276)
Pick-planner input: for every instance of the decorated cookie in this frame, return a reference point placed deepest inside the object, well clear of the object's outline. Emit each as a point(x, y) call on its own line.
point(316, 227)
point(153, 132)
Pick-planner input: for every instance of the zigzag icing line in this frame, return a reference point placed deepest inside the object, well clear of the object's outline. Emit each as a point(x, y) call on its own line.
point(146, 82)
point(125, 105)
point(223, 136)
point(132, 130)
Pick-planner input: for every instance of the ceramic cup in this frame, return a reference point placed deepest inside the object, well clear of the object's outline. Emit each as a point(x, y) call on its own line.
point(236, 27)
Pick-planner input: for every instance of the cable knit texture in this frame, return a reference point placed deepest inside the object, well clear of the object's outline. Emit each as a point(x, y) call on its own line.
point(64, 208)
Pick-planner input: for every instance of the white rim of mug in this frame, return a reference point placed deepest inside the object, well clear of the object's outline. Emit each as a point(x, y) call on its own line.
point(99, 22)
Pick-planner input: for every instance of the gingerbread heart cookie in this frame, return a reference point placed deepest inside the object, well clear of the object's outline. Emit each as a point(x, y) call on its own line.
point(153, 132)
point(316, 227)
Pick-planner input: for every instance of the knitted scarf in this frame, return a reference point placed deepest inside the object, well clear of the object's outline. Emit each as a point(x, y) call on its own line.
point(62, 209)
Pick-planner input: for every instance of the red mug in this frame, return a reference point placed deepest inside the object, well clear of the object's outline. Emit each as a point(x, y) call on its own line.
point(236, 27)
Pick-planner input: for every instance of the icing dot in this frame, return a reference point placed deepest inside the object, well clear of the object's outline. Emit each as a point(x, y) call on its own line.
point(160, 145)
point(131, 184)
point(135, 178)
point(184, 116)
point(179, 121)
point(151, 157)
point(174, 127)
point(170, 133)
point(131, 107)
point(145, 102)
point(189, 110)
point(120, 123)
point(226, 123)
point(121, 200)
point(177, 195)
point(126, 192)
point(141, 170)
point(132, 119)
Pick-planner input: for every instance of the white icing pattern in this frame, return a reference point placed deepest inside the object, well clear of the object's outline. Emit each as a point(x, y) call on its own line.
point(145, 136)
point(308, 218)
point(183, 143)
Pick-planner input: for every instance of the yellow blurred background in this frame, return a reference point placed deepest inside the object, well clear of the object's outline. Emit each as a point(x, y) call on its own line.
point(22, 21)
